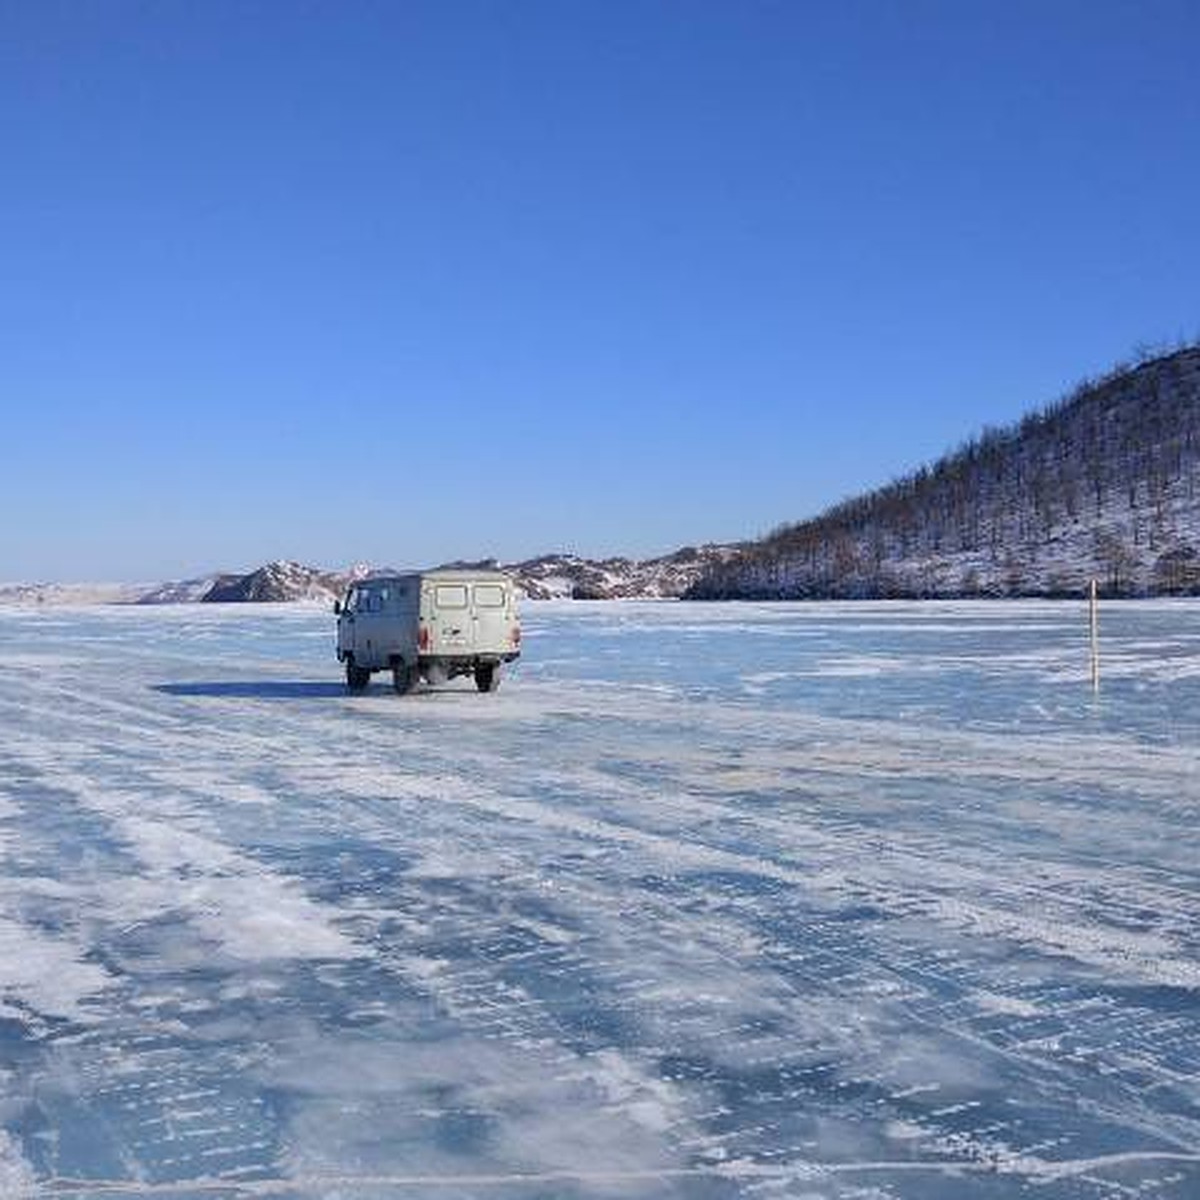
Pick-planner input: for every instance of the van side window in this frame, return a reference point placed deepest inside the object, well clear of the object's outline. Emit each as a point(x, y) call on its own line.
point(450, 595)
point(489, 595)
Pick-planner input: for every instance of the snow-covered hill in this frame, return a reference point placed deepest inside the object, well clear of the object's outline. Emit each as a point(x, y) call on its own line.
point(1104, 484)
point(569, 576)
point(278, 581)
point(70, 593)
point(184, 591)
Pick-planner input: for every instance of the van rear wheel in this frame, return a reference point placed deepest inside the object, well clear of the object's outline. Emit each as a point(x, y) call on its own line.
point(487, 677)
point(357, 678)
point(404, 678)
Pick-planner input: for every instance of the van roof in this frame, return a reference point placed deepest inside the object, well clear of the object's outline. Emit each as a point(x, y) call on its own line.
point(442, 575)
point(460, 573)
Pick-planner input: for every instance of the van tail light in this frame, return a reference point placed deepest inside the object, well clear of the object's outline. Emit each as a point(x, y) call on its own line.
point(516, 635)
point(423, 637)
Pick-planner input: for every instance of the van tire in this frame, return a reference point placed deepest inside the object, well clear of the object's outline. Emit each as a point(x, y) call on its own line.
point(487, 677)
point(357, 678)
point(404, 678)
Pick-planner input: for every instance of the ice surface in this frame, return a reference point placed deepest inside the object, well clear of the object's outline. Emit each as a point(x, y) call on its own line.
point(869, 900)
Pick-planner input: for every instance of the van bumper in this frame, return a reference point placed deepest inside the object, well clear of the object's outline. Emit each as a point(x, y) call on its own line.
point(468, 661)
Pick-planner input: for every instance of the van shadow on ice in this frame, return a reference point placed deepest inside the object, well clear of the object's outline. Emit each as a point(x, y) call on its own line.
point(255, 689)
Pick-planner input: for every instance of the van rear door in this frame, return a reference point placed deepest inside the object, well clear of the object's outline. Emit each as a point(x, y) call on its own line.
point(451, 629)
point(490, 605)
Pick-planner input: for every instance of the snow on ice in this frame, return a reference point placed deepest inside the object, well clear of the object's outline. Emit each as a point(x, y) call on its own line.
point(828, 900)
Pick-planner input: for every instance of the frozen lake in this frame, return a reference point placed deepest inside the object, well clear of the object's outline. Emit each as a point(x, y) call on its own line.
point(845, 901)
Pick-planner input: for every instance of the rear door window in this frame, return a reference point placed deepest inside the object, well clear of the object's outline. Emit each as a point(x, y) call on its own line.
point(489, 595)
point(450, 595)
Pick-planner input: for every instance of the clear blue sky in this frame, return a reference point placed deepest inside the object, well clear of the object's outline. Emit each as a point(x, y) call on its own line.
point(403, 282)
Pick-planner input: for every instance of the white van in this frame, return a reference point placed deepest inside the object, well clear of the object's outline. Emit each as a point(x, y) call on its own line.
point(434, 625)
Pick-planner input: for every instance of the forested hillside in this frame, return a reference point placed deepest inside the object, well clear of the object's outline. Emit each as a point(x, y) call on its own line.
point(1103, 484)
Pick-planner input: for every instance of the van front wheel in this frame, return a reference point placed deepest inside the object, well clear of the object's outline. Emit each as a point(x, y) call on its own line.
point(357, 678)
point(487, 677)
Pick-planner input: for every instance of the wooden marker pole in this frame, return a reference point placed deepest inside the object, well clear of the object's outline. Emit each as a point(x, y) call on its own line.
point(1094, 625)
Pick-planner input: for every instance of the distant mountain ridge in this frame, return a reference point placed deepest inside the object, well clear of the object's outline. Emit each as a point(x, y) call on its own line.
point(550, 576)
point(1103, 484)
point(563, 576)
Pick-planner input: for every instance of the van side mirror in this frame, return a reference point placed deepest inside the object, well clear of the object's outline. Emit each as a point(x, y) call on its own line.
point(337, 608)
